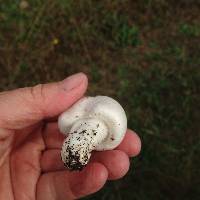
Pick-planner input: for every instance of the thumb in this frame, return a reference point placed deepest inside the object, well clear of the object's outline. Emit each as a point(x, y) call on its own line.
point(26, 106)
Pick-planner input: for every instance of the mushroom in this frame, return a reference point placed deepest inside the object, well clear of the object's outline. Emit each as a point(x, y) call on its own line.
point(93, 123)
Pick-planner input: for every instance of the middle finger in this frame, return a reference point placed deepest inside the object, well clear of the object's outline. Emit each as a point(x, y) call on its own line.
point(116, 162)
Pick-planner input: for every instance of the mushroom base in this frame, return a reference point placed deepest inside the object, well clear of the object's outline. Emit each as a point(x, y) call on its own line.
point(85, 135)
point(73, 162)
point(75, 158)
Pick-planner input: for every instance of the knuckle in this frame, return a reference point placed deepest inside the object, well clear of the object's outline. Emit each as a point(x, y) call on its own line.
point(37, 92)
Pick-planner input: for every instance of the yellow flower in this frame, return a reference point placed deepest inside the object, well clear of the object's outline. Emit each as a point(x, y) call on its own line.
point(55, 41)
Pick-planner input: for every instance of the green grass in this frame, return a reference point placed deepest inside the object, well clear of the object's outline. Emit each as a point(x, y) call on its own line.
point(190, 30)
point(144, 53)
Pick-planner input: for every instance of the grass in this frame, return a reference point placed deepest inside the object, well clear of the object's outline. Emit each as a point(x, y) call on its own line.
point(143, 53)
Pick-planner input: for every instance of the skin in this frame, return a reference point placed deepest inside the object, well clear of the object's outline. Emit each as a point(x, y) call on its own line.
point(30, 144)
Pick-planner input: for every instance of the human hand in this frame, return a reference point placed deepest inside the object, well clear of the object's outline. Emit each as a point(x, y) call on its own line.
point(30, 143)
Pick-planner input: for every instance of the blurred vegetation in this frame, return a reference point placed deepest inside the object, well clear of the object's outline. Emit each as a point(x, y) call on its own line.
point(145, 53)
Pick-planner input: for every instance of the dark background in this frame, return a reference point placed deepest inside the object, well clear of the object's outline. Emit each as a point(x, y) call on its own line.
point(144, 53)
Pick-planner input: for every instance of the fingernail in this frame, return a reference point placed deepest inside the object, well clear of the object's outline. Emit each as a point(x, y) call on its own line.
point(73, 81)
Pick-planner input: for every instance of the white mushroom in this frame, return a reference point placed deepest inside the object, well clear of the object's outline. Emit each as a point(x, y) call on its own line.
point(93, 123)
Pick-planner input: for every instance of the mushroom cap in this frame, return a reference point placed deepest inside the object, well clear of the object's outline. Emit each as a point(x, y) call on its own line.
point(102, 108)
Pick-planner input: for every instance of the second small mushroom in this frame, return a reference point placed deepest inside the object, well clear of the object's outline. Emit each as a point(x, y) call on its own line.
point(93, 123)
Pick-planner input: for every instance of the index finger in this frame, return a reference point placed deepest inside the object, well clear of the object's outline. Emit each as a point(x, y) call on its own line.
point(53, 139)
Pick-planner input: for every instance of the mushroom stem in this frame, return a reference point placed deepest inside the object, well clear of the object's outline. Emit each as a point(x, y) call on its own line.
point(85, 135)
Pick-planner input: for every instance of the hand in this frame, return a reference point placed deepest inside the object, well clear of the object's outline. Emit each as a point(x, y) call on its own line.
point(30, 165)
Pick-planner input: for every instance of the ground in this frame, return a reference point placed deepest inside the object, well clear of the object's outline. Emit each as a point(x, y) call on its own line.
point(144, 53)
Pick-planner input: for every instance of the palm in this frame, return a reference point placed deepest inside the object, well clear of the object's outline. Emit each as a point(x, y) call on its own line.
point(22, 164)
